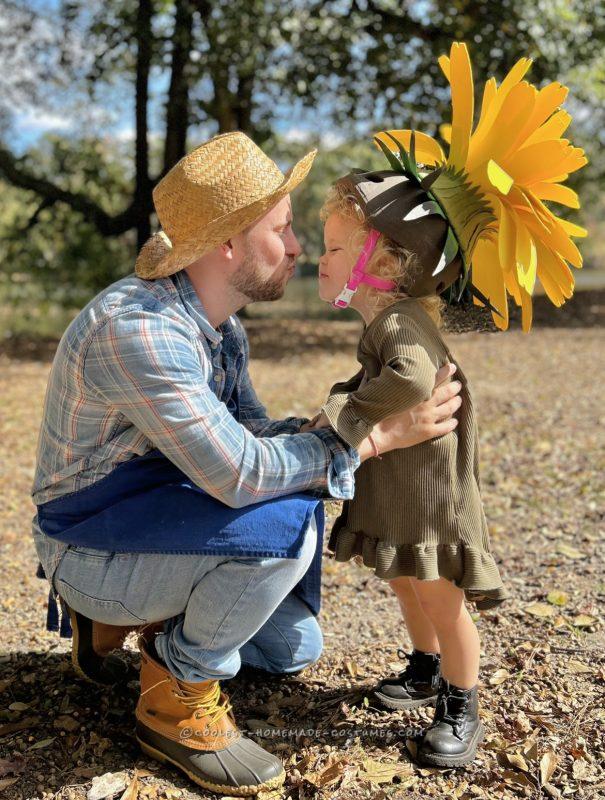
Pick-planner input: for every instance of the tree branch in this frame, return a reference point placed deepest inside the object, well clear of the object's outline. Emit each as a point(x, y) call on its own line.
point(93, 213)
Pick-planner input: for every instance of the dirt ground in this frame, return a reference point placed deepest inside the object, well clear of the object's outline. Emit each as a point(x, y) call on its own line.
point(543, 663)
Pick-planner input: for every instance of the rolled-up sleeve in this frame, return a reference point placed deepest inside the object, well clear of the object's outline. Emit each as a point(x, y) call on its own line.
point(148, 367)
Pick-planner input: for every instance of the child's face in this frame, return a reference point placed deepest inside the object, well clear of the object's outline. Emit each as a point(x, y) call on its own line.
point(336, 263)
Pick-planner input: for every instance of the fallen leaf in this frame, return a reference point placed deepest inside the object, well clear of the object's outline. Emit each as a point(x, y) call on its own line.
point(6, 782)
point(569, 551)
point(577, 667)
point(19, 706)
point(540, 610)
point(106, 785)
point(384, 771)
point(499, 676)
point(12, 766)
point(42, 743)
point(132, 790)
point(517, 760)
point(66, 723)
point(583, 621)
point(557, 598)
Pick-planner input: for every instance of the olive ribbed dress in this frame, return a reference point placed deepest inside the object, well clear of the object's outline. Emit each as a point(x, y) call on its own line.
point(417, 511)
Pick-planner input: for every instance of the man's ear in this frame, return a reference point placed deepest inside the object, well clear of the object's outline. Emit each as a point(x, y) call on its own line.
point(226, 250)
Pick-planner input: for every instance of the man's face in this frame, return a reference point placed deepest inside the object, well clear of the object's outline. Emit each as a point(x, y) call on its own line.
point(268, 252)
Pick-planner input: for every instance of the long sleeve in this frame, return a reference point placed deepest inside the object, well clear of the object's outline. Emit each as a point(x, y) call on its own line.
point(407, 378)
point(151, 371)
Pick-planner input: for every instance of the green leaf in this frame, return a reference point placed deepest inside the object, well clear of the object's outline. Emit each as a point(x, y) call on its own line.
point(392, 159)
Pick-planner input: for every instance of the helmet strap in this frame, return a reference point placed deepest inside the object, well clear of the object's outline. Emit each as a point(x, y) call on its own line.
point(359, 275)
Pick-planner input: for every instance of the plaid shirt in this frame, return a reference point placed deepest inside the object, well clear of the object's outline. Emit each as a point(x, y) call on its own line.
point(141, 367)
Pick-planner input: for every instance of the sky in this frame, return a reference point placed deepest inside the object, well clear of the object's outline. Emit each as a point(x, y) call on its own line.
point(113, 114)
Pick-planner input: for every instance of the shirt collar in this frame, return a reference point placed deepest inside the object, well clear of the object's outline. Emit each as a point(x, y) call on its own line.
point(195, 308)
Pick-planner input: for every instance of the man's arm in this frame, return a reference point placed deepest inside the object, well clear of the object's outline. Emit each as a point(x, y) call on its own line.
point(149, 368)
point(252, 413)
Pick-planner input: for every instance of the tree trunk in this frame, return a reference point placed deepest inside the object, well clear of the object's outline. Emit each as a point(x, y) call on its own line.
point(142, 193)
point(177, 106)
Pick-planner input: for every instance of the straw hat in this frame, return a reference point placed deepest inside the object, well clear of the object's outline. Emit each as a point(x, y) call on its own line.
point(211, 194)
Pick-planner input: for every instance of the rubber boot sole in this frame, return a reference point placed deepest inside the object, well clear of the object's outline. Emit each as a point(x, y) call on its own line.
point(408, 704)
point(234, 791)
point(439, 760)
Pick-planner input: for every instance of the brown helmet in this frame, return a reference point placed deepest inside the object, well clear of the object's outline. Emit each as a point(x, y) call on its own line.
point(399, 207)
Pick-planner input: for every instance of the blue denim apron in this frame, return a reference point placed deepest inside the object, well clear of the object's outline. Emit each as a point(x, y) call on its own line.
point(148, 505)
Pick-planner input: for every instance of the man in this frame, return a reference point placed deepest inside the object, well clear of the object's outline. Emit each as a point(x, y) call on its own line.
point(163, 490)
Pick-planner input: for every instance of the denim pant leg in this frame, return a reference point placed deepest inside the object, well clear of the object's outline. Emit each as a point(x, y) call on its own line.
point(212, 605)
point(290, 639)
point(226, 609)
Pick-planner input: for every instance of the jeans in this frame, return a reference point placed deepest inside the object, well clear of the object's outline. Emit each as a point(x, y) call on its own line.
point(219, 611)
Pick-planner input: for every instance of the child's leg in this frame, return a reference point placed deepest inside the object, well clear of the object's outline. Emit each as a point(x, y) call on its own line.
point(421, 630)
point(443, 603)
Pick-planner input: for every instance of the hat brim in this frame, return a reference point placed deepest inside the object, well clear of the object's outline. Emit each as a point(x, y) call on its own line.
point(223, 228)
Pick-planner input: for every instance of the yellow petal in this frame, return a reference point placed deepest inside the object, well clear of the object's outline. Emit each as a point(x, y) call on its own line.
point(526, 311)
point(537, 162)
point(512, 285)
point(547, 101)
point(551, 290)
point(560, 242)
point(463, 102)
point(498, 177)
point(445, 132)
point(488, 278)
point(554, 274)
point(499, 140)
point(556, 193)
point(444, 63)
point(507, 240)
point(553, 128)
point(428, 151)
point(489, 93)
point(570, 228)
point(526, 259)
point(512, 79)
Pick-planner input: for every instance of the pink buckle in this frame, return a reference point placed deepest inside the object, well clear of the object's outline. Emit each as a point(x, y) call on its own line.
point(358, 274)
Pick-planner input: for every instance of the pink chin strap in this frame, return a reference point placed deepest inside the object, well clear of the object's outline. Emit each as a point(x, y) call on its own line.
point(359, 275)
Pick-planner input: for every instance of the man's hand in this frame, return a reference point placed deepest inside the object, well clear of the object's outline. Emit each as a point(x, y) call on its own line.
point(425, 421)
point(319, 421)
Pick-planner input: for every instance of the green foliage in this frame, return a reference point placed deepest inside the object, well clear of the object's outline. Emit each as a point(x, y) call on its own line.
point(50, 254)
point(352, 67)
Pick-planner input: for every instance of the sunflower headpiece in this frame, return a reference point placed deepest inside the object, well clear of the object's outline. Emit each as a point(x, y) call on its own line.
point(497, 235)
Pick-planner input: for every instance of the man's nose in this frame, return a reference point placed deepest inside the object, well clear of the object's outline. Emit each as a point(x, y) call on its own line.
point(294, 248)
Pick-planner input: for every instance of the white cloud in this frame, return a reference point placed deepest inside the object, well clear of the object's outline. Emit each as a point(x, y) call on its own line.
point(32, 121)
point(329, 139)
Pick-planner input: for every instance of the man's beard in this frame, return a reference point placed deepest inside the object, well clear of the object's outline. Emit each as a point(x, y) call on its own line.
point(248, 281)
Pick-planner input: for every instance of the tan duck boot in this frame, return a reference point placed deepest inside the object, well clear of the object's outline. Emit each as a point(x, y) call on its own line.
point(191, 725)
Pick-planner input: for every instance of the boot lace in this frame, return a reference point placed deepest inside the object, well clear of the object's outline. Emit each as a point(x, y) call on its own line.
point(204, 702)
point(412, 672)
point(450, 713)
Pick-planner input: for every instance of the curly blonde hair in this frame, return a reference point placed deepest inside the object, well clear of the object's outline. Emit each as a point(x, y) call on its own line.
point(389, 260)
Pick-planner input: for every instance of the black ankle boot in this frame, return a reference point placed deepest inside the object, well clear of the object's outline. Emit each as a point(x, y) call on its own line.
point(452, 738)
point(416, 686)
